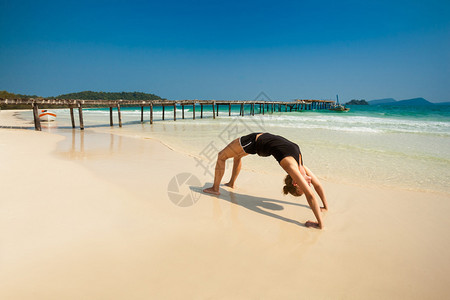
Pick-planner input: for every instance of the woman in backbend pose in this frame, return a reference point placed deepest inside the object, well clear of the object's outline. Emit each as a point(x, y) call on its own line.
point(288, 155)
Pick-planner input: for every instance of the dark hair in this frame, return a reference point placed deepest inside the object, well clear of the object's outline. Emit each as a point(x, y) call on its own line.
point(289, 187)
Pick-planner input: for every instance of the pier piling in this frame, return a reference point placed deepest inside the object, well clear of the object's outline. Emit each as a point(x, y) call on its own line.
point(80, 114)
point(72, 118)
point(151, 113)
point(37, 121)
point(174, 112)
point(120, 115)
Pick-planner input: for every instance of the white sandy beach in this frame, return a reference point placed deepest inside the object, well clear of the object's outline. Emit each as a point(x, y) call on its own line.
point(93, 220)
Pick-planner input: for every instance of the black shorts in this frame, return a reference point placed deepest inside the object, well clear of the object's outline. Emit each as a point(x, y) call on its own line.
point(248, 142)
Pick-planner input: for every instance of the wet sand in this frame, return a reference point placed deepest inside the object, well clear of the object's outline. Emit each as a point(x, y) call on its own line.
point(89, 215)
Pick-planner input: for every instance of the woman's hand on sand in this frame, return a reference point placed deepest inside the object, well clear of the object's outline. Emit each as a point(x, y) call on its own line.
point(308, 179)
point(313, 224)
point(324, 209)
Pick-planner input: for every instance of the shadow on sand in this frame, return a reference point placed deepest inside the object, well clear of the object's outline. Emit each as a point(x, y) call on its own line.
point(257, 204)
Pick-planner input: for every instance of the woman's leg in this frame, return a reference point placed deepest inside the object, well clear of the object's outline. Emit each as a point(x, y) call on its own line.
point(237, 163)
point(233, 149)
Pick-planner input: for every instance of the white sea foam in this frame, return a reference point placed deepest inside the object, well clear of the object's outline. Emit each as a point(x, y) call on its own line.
point(374, 148)
point(359, 124)
point(343, 122)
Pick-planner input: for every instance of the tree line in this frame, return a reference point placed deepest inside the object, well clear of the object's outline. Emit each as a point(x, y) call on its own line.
point(7, 95)
point(88, 95)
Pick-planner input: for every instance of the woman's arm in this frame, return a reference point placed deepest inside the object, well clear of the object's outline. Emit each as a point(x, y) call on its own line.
point(318, 187)
point(289, 164)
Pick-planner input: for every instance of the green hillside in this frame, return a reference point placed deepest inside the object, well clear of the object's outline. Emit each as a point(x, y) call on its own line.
point(89, 95)
point(86, 95)
point(7, 95)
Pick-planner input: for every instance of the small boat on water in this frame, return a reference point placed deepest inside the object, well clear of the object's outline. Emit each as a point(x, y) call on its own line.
point(46, 116)
point(338, 107)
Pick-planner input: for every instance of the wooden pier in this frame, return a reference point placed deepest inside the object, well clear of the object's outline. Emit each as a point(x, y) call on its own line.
point(260, 107)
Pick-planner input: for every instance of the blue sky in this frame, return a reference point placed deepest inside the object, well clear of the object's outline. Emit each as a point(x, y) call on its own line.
point(228, 49)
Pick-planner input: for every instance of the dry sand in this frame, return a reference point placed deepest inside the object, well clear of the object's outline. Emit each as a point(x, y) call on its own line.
point(96, 222)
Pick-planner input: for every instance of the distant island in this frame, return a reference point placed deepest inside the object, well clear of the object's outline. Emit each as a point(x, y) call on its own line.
point(357, 102)
point(382, 101)
point(392, 101)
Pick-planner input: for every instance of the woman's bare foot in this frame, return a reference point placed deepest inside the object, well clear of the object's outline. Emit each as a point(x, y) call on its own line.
point(313, 225)
point(229, 184)
point(211, 191)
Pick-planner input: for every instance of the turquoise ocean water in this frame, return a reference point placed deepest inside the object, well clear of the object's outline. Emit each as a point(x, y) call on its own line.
point(390, 146)
point(418, 119)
